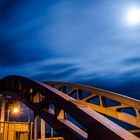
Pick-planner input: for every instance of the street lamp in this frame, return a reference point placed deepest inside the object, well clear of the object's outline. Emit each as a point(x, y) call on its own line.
point(15, 110)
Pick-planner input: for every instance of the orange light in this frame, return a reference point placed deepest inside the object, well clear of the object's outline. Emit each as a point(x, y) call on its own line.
point(15, 110)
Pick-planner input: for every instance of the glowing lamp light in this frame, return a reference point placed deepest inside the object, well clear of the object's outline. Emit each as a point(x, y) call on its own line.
point(133, 16)
point(15, 110)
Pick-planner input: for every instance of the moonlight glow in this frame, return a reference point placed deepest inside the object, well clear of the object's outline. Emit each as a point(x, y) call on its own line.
point(133, 16)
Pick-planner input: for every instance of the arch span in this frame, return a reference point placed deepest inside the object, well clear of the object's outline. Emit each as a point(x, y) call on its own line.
point(39, 96)
point(109, 103)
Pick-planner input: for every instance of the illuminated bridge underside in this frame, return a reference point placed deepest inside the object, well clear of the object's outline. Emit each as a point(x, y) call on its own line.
point(53, 105)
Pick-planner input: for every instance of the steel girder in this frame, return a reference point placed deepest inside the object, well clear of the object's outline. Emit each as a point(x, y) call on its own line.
point(39, 97)
point(110, 103)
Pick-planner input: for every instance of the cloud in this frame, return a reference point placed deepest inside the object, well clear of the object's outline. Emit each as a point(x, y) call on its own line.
point(132, 61)
point(78, 41)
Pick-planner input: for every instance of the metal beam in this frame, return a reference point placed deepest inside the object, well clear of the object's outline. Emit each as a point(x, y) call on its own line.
point(96, 125)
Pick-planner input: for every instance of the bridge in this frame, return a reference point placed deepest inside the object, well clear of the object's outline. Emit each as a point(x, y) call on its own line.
point(76, 112)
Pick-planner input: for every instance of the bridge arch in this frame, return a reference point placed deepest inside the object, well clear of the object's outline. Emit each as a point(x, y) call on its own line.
point(39, 96)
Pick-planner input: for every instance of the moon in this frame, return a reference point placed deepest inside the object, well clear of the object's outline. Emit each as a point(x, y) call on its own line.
point(132, 17)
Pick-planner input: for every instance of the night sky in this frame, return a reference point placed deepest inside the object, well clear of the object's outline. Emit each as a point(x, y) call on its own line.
point(93, 42)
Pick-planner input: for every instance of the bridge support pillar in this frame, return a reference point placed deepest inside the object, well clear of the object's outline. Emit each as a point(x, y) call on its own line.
point(35, 127)
point(43, 131)
point(3, 108)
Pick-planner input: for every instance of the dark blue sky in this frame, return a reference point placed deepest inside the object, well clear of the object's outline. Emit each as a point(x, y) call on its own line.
point(83, 41)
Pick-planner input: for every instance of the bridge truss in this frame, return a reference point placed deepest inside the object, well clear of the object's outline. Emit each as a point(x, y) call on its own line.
point(76, 112)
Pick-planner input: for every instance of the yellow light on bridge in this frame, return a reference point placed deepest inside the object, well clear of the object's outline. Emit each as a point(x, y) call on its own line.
point(15, 110)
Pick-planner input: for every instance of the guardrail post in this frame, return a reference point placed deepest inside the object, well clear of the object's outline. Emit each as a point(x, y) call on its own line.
point(35, 127)
point(2, 118)
point(3, 108)
point(43, 129)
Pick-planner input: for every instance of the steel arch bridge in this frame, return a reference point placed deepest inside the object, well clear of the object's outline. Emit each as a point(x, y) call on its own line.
point(88, 106)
